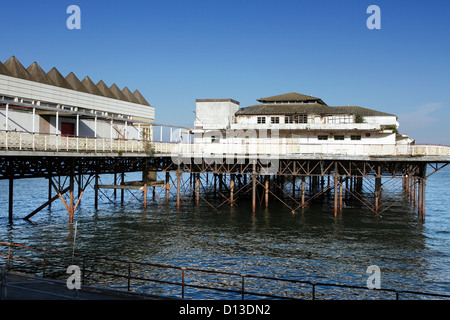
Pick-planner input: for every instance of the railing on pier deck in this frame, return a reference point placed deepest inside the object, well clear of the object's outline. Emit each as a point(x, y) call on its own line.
point(187, 281)
point(26, 141)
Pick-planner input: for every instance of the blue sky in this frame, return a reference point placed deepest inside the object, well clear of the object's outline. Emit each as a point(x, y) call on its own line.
point(174, 52)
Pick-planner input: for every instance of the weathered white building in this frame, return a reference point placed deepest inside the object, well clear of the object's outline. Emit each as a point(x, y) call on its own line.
point(296, 123)
point(35, 101)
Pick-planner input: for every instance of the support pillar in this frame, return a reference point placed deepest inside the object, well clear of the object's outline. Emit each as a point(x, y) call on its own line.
point(71, 208)
point(145, 187)
point(96, 191)
point(424, 183)
point(197, 188)
point(122, 191)
point(231, 189)
point(377, 189)
point(254, 188)
point(266, 187)
point(335, 194)
point(167, 186)
point(303, 190)
point(178, 174)
point(11, 199)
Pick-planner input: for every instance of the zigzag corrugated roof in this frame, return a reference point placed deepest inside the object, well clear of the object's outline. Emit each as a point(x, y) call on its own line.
point(13, 68)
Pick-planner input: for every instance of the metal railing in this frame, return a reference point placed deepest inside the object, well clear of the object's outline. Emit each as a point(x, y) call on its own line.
point(242, 286)
point(28, 141)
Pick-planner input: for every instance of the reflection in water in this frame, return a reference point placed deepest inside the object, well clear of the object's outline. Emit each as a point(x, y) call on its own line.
point(310, 245)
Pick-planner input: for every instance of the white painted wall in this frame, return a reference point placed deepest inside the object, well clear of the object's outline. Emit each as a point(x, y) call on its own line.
point(215, 114)
point(35, 91)
point(20, 120)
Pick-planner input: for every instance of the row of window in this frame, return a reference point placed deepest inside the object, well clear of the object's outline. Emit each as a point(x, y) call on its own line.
point(339, 137)
point(303, 118)
point(287, 119)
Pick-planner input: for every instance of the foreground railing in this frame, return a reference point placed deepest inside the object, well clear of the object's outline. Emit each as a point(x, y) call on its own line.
point(236, 285)
point(26, 141)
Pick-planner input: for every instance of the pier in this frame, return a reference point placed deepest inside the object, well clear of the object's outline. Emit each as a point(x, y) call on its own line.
point(193, 173)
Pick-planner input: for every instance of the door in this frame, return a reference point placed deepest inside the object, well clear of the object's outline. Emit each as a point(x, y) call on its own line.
point(67, 129)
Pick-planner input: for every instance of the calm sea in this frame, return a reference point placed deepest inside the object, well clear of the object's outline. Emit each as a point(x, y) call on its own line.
point(309, 245)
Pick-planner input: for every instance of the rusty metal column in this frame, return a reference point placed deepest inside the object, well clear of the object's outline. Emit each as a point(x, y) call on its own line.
point(266, 187)
point(336, 177)
point(303, 190)
point(377, 189)
point(335, 194)
point(197, 188)
point(71, 210)
point(167, 186)
point(178, 174)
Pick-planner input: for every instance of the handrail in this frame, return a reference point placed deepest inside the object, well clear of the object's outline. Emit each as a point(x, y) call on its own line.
point(26, 141)
point(183, 284)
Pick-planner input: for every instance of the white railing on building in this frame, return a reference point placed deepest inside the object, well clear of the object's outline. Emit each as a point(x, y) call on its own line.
point(26, 141)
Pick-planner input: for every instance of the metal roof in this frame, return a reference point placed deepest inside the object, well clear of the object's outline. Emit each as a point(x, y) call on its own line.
point(307, 108)
point(37, 74)
point(57, 79)
point(4, 70)
point(291, 97)
point(16, 69)
point(13, 68)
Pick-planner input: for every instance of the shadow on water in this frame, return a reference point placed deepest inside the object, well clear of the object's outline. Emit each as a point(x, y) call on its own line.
point(308, 245)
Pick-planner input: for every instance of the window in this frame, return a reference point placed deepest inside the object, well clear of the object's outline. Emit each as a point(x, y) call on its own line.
point(338, 137)
point(274, 119)
point(261, 119)
point(339, 119)
point(302, 118)
point(322, 137)
point(289, 119)
point(215, 139)
point(355, 137)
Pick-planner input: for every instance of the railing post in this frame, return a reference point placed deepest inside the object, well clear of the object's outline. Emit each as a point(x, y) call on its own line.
point(9, 257)
point(43, 267)
point(243, 286)
point(313, 291)
point(182, 282)
point(129, 275)
point(83, 271)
